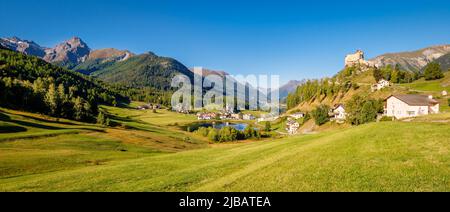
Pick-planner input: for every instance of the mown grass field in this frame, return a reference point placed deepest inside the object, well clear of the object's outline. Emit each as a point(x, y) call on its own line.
point(430, 86)
point(387, 156)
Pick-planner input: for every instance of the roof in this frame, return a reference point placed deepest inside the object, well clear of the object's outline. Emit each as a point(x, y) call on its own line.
point(339, 105)
point(415, 100)
point(298, 113)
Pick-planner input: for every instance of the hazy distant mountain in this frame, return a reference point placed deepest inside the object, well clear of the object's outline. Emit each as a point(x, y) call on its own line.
point(412, 61)
point(207, 72)
point(289, 87)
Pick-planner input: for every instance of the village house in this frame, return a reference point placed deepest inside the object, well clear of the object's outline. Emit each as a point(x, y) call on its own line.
point(444, 93)
point(297, 115)
point(248, 117)
point(149, 107)
point(206, 116)
point(380, 85)
point(339, 113)
point(292, 127)
point(405, 106)
point(236, 116)
point(144, 107)
point(268, 117)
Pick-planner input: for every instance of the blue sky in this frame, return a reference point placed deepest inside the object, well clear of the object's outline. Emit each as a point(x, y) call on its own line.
point(295, 39)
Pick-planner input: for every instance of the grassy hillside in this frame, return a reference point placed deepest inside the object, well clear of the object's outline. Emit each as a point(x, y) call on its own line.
point(366, 79)
point(142, 71)
point(31, 144)
point(375, 157)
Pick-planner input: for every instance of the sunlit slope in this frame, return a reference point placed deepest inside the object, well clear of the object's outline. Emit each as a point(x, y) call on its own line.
point(390, 156)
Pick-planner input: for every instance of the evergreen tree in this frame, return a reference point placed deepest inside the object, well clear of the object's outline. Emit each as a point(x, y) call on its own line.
point(78, 109)
point(320, 114)
point(268, 126)
point(433, 71)
point(51, 99)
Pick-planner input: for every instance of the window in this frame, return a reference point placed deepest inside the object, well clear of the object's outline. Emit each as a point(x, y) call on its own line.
point(411, 113)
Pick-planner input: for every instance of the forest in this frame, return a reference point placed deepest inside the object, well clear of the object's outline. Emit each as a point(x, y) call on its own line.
point(31, 84)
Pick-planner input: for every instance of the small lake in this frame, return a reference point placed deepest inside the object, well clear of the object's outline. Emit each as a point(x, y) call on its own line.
point(218, 125)
point(238, 126)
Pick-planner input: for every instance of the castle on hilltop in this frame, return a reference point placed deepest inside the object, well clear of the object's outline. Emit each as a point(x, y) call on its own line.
point(357, 59)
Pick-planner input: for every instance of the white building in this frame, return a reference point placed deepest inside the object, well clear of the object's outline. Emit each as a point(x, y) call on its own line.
point(339, 112)
point(248, 117)
point(405, 106)
point(297, 115)
point(444, 93)
point(380, 85)
point(292, 127)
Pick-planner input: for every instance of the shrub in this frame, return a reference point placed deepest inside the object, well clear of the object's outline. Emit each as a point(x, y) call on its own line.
point(433, 71)
point(103, 119)
point(251, 132)
point(320, 114)
point(361, 110)
point(448, 100)
point(267, 127)
point(203, 131)
point(213, 135)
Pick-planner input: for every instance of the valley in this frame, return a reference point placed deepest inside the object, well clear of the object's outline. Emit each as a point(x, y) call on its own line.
point(147, 153)
point(79, 125)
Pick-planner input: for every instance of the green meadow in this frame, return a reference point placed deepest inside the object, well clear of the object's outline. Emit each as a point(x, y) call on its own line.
point(148, 152)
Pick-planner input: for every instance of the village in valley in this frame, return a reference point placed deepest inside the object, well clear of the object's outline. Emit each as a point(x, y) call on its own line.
point(397, 106)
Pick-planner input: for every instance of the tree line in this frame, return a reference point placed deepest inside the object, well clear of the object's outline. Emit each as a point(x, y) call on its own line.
point(31, 84)
point(313, 89)
point(228, 133)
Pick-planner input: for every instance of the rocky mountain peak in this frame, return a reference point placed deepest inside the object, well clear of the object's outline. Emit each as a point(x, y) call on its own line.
point(23, 46)
point(71, 52)
point(413, 60)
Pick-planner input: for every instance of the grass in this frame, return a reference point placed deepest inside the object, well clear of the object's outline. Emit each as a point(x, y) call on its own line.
point(33, 144)
point(422, 85)
point(374, 157)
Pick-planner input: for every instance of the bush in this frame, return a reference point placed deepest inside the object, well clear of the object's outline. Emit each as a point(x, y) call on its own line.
point(320, 114)
point(203, 131)
point(433, 71)
point(228, 134)
point(361, 110)
point(448, 100)
point(251, 132)
point(213, 135)
point(355, 86)
point(267, 127)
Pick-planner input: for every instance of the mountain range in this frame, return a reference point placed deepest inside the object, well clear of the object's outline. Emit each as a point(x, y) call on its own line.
point(150, 70)
point(68, 53)
point(110, 65)
point(413, 61)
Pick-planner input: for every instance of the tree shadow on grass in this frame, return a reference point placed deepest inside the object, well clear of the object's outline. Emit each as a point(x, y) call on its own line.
point(35, 125)
point(4, 117)
point(48, 121)
point(12, 129)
